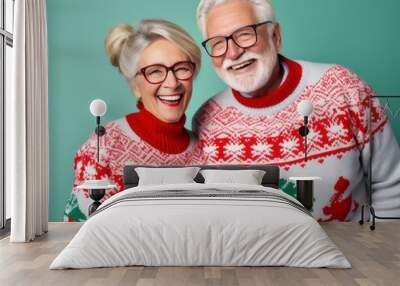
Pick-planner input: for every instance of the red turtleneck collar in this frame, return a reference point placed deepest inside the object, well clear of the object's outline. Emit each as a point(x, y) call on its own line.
point(171, 138)
point(277, 95)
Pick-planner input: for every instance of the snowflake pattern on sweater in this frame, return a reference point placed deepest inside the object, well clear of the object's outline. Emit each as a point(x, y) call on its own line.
point(232, 133)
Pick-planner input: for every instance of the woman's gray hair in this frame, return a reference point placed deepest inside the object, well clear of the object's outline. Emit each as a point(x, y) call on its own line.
point(124, 45)
point(263, 9)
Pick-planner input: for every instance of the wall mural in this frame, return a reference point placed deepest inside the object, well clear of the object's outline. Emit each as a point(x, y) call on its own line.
point(254, 120)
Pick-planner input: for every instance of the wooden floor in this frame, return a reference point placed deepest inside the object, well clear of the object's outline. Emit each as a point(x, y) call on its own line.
point(374, 255)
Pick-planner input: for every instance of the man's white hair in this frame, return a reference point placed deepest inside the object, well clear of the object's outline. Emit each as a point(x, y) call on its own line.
point(263, 9)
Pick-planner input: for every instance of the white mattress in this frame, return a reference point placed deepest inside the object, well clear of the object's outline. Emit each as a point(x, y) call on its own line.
point(200, 231)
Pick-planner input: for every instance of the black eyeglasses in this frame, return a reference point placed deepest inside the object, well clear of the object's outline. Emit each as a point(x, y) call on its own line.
point(244, 37)
point(157, 73)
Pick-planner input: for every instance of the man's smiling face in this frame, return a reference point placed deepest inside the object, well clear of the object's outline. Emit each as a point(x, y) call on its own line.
point(244, 69)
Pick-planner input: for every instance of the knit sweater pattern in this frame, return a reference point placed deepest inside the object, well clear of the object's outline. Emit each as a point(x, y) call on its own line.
point(136, 139)
point(234, 129)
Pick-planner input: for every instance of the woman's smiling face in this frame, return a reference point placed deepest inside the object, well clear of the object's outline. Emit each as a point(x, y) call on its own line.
point(168, 99)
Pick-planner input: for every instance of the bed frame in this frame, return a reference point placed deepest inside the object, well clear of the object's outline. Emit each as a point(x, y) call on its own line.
point(270, 179)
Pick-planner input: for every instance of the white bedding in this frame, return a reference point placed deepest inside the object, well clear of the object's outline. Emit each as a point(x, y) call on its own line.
point(183, 231)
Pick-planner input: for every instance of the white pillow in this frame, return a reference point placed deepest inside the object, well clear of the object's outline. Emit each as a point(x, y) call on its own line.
point(248, 177)
point(163, 176)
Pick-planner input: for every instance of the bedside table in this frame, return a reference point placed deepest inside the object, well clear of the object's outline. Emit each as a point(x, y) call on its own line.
point(305, 190)
point(97, 190)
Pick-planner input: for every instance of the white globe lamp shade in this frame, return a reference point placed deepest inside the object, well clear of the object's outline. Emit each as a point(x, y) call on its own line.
point(305, 108)
point(98, 107)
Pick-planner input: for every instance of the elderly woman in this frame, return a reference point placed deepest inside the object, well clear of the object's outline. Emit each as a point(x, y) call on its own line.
point(159, 62)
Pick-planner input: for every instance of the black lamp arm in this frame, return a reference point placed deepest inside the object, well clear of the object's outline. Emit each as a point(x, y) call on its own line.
point(303, 130)
point(100, 131)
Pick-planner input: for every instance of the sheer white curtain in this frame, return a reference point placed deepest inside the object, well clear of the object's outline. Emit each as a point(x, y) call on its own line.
point(27, 124)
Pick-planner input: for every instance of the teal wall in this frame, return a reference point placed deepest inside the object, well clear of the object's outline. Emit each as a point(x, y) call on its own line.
point(360, 34)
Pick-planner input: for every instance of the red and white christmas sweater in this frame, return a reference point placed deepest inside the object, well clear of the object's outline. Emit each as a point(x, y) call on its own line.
point(138, 138)
point(235, 129)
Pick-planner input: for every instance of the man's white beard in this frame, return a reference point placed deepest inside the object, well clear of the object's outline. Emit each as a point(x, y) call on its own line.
point(252, 81)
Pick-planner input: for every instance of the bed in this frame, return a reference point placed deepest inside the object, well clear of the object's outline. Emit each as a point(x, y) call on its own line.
point(201, 224)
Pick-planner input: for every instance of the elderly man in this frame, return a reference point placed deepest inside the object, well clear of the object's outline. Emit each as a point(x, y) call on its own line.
point(255, 120)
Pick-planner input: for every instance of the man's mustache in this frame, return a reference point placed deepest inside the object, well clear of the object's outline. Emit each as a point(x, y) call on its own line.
point(244, 57)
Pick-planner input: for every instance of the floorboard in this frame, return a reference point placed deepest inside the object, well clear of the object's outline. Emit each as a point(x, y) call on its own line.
point(374, 255)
